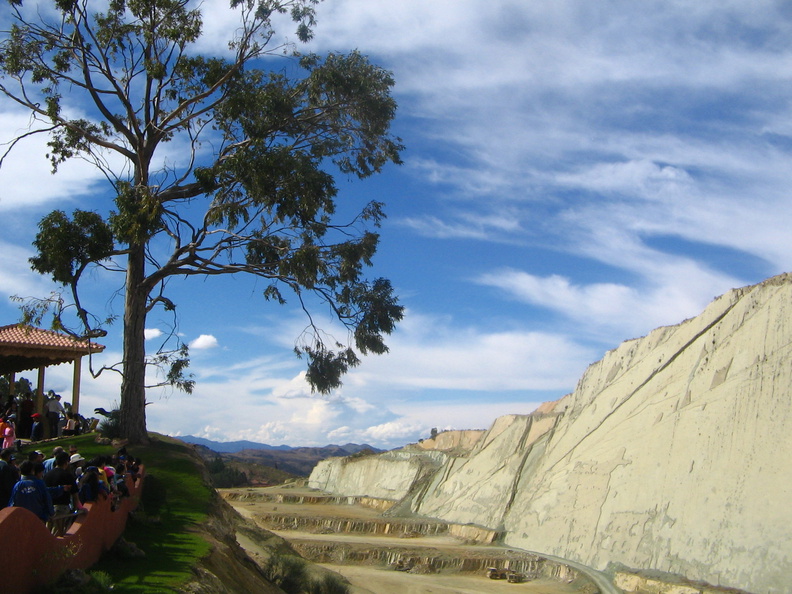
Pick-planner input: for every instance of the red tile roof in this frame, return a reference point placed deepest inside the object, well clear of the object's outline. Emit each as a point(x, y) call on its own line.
point(20, 334)
point(26, 347)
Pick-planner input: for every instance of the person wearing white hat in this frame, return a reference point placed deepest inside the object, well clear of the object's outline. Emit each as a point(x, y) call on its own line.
point(77, 462)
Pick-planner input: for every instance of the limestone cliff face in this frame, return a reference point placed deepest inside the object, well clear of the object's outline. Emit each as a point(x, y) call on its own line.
point(673, 453)
point(391, 475)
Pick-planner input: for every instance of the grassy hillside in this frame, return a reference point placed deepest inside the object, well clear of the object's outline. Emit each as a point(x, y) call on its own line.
point(178, 526)
point(176, 503)
point(188, 535)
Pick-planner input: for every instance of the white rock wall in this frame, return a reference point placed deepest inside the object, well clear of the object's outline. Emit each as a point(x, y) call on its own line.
point(477, 489)
point(674, 453)
point(452, 440)
point(387, 476)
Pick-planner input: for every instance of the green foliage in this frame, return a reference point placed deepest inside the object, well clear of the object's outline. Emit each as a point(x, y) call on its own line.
point(224, 476)
point(364, 453)
point(290, 573)
point(287, 572)
point(139, 215)
point(329, 583)
point(66, 246)
point(79, 582)
point(325, 367)
point(23, 387)
point(103, 580)
point(110, 425)
point(176, 363)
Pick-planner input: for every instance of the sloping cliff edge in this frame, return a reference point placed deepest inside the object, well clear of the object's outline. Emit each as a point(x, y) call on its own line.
point(673, 454)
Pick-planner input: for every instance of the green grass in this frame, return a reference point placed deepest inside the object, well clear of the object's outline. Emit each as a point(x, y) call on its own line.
point(175, 500)
point(85, 443)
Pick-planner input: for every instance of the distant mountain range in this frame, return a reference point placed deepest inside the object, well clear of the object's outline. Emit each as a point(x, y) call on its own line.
point(297, 461)
point(231, 447)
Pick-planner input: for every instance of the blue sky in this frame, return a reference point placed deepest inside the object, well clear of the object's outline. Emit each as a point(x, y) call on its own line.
point(577, 173)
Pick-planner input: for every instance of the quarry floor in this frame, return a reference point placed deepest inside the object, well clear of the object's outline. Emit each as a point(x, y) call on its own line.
point(377, 579)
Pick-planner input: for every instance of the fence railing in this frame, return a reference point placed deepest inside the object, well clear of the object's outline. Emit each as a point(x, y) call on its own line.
point(33, 556)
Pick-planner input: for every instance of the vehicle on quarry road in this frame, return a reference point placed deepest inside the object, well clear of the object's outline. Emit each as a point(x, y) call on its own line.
point(513, 577)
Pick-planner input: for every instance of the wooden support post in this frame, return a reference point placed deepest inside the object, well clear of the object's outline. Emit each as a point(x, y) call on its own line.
point(76, 386)
point(40, 392)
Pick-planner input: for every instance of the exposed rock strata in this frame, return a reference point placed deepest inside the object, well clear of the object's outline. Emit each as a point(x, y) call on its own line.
point(673, 454)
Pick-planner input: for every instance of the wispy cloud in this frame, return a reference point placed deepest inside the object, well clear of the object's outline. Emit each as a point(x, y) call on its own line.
point(589, 170)
point(16, 278)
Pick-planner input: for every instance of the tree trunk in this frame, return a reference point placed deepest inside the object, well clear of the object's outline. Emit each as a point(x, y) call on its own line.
point(133, 386)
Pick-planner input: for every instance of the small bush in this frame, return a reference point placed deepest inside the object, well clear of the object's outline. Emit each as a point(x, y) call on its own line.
point(102, 579)
point(110, 425)
point(77, 581)
point(287, 572)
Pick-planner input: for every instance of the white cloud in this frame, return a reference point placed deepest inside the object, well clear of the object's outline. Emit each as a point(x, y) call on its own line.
point(152, 333)
point(587, 130)
point(429, 353)
point(393, 431)
point(16, 278)
point(340, 435)
point(203, 342)
point(297, 387)
point(26, 162)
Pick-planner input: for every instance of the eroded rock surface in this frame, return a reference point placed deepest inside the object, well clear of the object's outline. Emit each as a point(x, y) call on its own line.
point(674, 453)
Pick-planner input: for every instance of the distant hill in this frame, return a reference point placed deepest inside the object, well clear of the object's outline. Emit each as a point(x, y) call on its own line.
point(294, 460)
point(229, 447)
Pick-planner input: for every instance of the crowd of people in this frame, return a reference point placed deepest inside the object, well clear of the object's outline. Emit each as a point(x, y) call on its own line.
point(57, 488)
point(19, 421)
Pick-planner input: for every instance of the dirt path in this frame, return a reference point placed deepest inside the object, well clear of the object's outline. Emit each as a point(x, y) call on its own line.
point(367, 579)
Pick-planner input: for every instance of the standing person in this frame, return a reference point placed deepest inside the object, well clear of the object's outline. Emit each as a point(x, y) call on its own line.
point(54, 411)
point(9, 475)
point(37, 431)
point(91, 487)
point(9, 432)
point(26, 408)
point(36, 456)
point(31, 492)
point(49, 463)
point(76, 461)
point(64, 501)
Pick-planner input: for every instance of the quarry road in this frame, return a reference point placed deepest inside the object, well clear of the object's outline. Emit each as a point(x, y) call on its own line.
point(370, 580)
point(603, 582)
point(367, 577)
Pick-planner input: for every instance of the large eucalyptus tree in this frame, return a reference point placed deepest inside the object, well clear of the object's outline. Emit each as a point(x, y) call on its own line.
point(259, 152)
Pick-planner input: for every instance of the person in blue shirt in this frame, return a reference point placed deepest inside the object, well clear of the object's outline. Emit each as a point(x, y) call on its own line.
point(31, 492)
point(49, 463)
